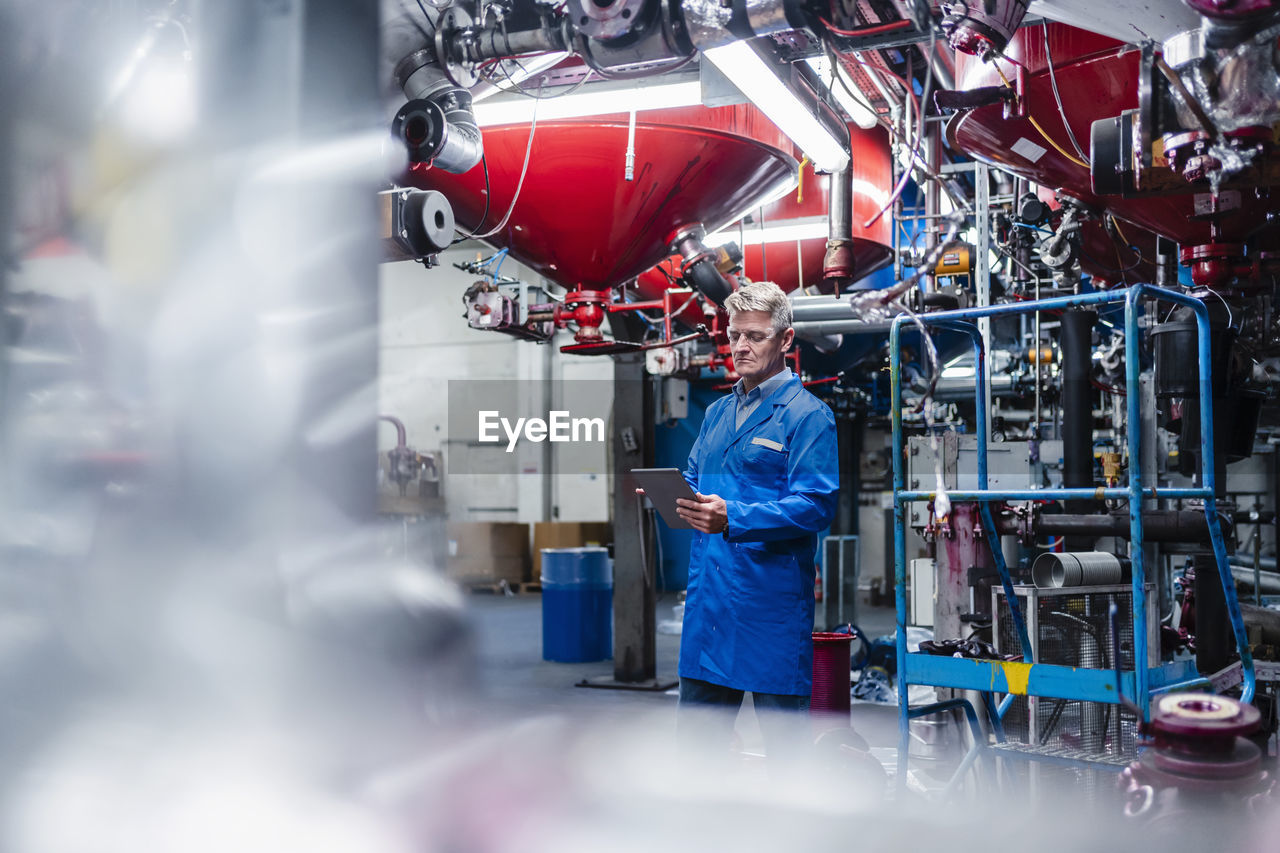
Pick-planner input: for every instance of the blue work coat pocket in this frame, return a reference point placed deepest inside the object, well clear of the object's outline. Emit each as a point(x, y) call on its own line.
point(764, 465)
point(767, 588)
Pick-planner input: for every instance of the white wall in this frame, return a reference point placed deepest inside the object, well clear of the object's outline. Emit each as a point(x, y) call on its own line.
point(424, 343)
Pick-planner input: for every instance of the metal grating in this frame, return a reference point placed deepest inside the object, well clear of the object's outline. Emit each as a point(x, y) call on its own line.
point(1070, 627)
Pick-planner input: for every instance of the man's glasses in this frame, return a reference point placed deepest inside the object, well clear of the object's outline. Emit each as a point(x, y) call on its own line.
point(753, 336)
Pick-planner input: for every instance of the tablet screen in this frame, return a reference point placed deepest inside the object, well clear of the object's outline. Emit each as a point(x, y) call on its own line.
point(662, 486)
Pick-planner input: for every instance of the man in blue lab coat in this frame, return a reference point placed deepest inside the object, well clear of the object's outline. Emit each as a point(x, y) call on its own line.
point(767, 477)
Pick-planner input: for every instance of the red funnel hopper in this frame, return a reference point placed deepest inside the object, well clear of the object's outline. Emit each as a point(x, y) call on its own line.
point(578, 222)
point(793, 244)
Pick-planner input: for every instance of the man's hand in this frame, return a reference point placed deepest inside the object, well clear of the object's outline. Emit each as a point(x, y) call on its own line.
point(707, 513)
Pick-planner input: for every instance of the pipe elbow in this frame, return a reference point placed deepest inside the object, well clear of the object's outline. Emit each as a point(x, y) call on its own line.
point(702, 267)
point(463, 145)
point(437, 126)
point(707, 280)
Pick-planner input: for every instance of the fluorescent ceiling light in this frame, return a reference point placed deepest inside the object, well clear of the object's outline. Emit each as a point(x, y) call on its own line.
point(782, 231)
point(592, 102)
point(862, 117)
point(757, 80)
point(524, 69)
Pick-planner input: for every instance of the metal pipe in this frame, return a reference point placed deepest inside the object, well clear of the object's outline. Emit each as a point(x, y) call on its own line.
point(838, 327)
point(1166, 262)
point(477, 45)
point(805, 308)
point(962, 389)
point(824, 343)
point(1267, 582)
point(1159, 525)
point(837, 264)
point(401, 434)
point(1056, 494)
point(1134, 493)
point(699, 267)
point(1077, 409)
point(1264, 563)
point(456, 145)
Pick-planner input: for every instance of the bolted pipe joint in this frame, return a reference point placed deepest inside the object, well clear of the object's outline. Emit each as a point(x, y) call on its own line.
point(437, 126)
point(704, 268)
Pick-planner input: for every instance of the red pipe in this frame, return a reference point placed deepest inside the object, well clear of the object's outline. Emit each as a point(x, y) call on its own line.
point(617, 307)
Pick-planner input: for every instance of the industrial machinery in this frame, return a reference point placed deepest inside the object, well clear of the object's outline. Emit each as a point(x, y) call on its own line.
point(1031, 252)
point(1071, 368)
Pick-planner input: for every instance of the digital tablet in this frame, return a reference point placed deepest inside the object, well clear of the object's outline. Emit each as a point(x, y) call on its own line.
point(662, 486)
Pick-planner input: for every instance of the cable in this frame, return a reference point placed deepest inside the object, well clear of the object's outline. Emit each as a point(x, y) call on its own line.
point(1044, 135)
point(1116, 223)
point(920, 120)
point(1035, 228)
point(910, 92)
point(569, 90)
point(873, 29)
point(1115, 270)
point(424, 11)
point(1110, 389)
point(1230, 315)
point(488, 196)
point(517, 88)
point(881, 120)
point(1053, 81)
point(524, 170)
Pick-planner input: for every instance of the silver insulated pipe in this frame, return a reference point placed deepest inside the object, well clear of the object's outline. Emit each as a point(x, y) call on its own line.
point(437, 125)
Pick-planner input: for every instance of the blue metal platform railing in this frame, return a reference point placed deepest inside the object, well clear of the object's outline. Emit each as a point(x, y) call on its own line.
point(1026, 677)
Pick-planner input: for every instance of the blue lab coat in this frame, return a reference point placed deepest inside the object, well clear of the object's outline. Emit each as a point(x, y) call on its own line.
point(748, 616)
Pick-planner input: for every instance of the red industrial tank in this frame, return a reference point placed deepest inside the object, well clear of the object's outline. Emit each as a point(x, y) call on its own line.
point(579, 222)
point(1097, 79)
point(791, 262)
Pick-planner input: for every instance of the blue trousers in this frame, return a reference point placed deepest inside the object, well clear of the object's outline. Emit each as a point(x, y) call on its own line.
point(707, 712)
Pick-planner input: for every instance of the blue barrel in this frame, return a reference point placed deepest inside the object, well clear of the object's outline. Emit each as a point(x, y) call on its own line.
point(577, 605)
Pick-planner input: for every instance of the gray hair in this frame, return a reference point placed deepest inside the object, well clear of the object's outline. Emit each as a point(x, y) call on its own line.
point(762, 296)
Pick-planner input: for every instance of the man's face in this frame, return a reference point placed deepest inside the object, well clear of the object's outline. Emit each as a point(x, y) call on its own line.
point(757, 350)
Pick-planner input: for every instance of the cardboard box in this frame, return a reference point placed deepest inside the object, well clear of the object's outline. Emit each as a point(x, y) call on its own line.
point(488, 569)
point(488, 551)
point(567, 534)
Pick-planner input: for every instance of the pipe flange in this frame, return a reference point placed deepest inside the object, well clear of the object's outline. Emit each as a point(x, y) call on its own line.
point(1203, 715)
point(420, 127)
point(1233, 8)
point(685, 232)
point(1210, 252)
point(451, 22)
point(609, 20)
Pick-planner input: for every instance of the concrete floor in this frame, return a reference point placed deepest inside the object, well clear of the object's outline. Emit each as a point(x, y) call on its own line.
point(513, 677)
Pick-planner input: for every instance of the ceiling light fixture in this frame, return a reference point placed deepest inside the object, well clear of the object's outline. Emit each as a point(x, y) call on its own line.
point(758, 81)
point(592, 102)
point(781, 231)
